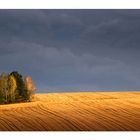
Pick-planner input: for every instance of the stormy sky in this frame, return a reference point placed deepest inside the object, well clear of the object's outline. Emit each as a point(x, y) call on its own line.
point(73, 50)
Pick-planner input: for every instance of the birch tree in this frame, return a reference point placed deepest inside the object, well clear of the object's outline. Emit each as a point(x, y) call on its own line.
point(12, 86)
point(4, 86)
point(30, 87)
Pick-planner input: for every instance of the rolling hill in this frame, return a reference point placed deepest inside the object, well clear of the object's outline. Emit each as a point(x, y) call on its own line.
point(81, 111)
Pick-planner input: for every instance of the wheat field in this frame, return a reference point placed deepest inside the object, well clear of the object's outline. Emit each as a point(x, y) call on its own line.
point(82, 111)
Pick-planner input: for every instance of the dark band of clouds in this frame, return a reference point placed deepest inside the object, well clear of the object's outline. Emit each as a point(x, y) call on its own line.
point(73, 50)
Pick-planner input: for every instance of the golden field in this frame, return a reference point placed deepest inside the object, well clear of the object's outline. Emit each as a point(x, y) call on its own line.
point(80, 111)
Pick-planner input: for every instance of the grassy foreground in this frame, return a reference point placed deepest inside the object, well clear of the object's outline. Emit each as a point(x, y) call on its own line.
point(81, 111)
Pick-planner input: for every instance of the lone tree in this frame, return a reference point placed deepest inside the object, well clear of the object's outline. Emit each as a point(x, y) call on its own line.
point(30, 87)
point(20, 85)
point(4, 88)
point(12, 86)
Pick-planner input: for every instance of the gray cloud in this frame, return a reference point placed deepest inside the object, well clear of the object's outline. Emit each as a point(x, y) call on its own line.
point(72, 50)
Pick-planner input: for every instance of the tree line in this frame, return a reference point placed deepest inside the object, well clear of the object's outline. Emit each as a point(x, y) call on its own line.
point(14, 89)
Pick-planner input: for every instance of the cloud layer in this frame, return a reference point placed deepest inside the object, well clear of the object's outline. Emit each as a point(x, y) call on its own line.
point(72, 50)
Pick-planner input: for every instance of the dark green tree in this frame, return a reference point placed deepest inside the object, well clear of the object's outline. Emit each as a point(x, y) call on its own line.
point(21, 91)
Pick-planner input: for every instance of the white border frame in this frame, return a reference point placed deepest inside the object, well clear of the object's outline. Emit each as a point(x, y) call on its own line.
point(69, 4)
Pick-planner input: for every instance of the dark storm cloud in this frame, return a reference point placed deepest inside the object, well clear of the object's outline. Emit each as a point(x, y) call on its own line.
point(72, 50)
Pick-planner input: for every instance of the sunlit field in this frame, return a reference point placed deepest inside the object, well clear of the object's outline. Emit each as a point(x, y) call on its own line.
point(90, 111)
